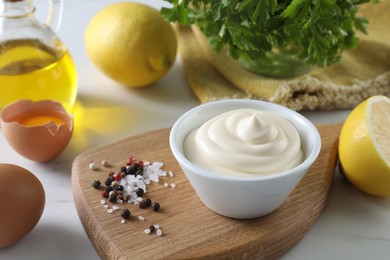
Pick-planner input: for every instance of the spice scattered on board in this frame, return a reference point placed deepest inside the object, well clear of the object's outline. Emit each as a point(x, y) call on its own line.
point(154, 228)
point(129, 185)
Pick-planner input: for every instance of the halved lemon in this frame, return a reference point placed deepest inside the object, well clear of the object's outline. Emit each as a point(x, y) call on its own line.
point(364, 146)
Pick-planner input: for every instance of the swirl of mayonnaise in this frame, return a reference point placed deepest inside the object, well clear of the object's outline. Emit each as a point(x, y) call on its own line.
point(245, 142)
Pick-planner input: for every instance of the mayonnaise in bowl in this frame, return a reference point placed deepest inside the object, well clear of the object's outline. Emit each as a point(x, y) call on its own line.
point(245, 142)
point(243, 157)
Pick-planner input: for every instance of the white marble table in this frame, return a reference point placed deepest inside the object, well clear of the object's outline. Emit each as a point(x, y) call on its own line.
point(352, 225)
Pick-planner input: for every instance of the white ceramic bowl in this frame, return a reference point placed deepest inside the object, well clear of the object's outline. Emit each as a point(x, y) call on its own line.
point(243, 197)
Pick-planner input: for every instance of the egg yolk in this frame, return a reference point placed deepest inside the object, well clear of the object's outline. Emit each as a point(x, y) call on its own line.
point(40, 120)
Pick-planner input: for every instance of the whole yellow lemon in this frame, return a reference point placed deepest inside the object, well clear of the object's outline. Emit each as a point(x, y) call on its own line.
point(364, 146)
point(131, 43)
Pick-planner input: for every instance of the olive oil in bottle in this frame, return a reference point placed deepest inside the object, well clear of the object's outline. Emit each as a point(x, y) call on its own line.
point(31, 70)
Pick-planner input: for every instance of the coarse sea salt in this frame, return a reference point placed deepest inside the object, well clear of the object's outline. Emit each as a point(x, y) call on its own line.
point(162, 173)
point(158, 164)
point(146, 163)
point(151, 173)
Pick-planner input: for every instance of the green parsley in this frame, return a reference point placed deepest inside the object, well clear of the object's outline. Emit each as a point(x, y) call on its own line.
point(251, 28)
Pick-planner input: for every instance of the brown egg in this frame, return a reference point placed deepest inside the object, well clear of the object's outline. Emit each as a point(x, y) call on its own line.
point(39, 131)
point(22, 200)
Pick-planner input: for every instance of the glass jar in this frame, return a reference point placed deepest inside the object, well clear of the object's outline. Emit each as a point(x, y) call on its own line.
point(280, 63)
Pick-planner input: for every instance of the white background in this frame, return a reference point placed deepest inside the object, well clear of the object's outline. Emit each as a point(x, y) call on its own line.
point(352, 226)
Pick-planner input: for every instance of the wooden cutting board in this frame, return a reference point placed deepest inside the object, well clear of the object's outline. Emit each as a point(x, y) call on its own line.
point(190, 230)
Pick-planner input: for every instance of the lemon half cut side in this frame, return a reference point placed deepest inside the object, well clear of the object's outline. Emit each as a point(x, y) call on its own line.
point(364, 146)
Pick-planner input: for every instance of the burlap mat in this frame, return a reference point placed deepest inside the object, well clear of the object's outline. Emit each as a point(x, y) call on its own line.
point(363, 72)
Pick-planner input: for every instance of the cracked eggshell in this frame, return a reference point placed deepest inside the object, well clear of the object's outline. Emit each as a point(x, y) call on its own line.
point(41, 142)
point(22, 200)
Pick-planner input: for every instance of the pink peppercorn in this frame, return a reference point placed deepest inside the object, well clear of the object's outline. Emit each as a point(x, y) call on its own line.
point(104, 194)
point(141, 164)
point(131, 160)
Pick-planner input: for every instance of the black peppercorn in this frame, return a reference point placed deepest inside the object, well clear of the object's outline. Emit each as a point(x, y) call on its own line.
point(140, 169)
point(139, 172)
point(145, 203)
point(108, 189)
point(131, 170)
point(139, 192)
point(137, 166)
point(112, 197)
point(108, 181)
point(125, 214)
point(135, 169)
point(119, 188)
point(152, 228)
point(156, 206)
point(142, 205)
point(96, 184)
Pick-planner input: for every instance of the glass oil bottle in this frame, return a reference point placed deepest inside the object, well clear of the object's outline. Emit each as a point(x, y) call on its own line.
point(34, 63)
